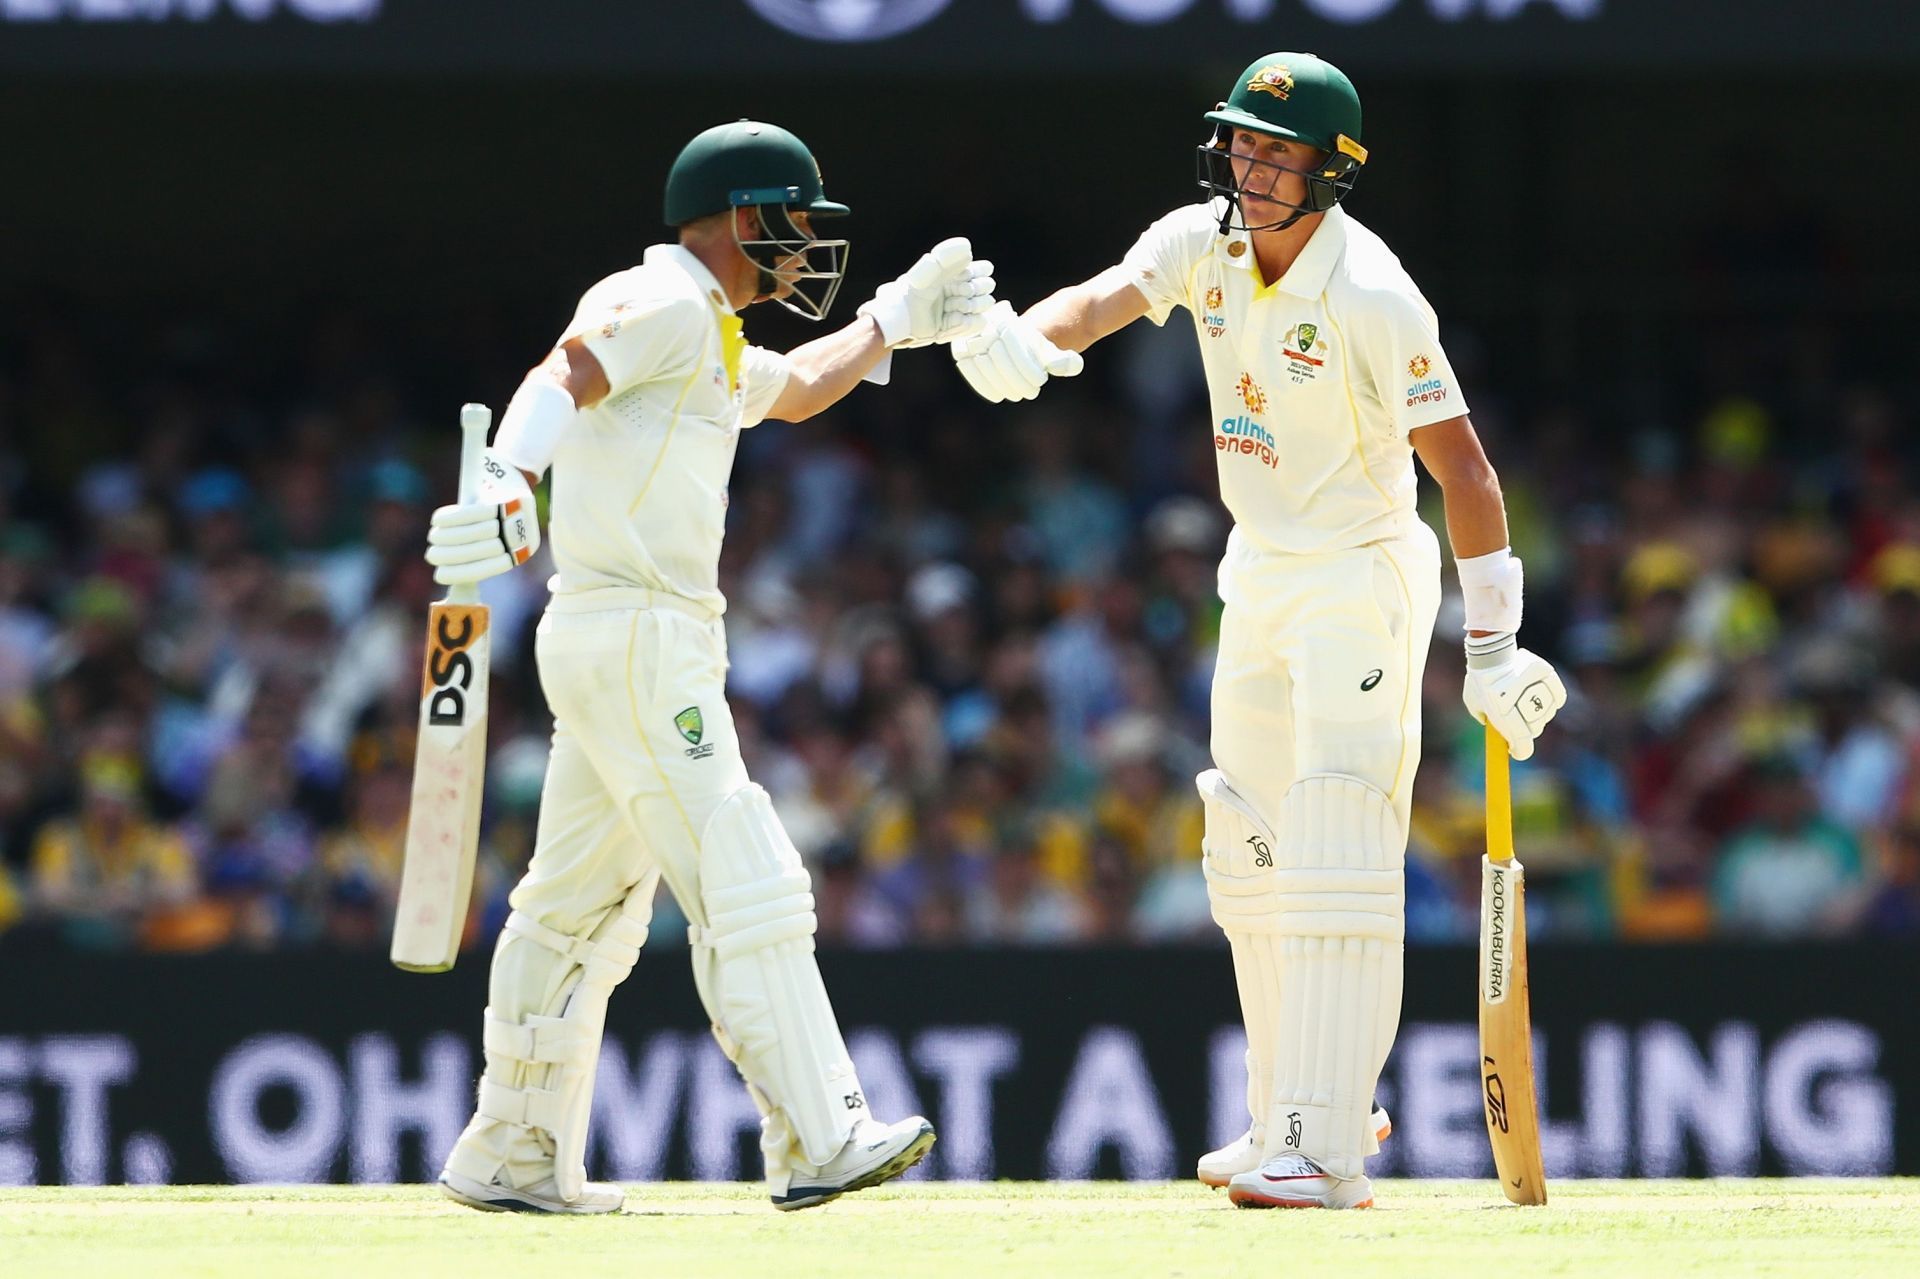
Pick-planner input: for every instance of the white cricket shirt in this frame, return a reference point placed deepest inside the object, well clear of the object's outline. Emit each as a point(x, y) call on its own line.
point(1314, 381)
point(640, 479)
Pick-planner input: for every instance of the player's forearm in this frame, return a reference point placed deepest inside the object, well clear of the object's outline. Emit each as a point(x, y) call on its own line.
point(1476, 513)
point(821, 372)
point(1476, 525)
point(1066, 318)
point(1081, 314)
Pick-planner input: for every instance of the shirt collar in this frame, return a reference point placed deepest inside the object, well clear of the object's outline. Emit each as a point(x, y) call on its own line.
point(676, 256)
point(1308, 276)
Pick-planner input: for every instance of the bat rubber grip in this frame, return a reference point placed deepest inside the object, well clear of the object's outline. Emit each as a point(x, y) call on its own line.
point(1499, 799)
point(474, 421)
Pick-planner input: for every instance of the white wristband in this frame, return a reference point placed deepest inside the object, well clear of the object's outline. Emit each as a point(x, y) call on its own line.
point(888, 309)
point(530, 429)
point(1491, 587)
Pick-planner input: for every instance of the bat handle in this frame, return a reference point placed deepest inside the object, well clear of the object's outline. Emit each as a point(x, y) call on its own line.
point(474, 421)
point(1499, 799)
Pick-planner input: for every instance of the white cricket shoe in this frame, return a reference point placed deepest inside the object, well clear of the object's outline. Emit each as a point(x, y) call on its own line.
point(495, 1195)
point(1218, 1167)
point(1295, 1181)
point(876, 1152)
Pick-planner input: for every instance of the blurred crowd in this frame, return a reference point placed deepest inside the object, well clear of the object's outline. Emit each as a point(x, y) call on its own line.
point(970, 649)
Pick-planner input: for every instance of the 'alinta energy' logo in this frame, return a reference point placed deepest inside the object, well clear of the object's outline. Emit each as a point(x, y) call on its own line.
point(1214, 316)
point(1424, 388)
point(1251, 395)
point(1241, 433)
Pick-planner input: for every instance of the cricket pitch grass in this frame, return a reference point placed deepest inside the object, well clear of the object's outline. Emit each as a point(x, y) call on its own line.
point(1663, 1229)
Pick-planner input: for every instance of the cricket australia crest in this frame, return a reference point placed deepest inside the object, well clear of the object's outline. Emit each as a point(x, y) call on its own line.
point(1305, 349)
point(1276, 79)
point(692, 726)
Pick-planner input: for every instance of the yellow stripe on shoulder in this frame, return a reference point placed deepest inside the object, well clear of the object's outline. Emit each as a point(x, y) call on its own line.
point(732, 343)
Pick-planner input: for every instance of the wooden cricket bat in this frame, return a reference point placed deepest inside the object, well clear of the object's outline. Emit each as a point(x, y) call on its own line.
point(1506, 1016)
point(449, 758)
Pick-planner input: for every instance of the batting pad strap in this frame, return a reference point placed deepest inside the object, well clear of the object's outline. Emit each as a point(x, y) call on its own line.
point(759, 914)
point(1315, 902)
point(548, 1040)
point(528, 1107)
point(607, 957)
point(1248, 904)
point(577, 949)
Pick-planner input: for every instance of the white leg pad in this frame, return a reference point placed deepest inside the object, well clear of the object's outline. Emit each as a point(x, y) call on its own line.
point(1341, 921)
point(753, 962)
point(1237, 854)
point(540, 1066)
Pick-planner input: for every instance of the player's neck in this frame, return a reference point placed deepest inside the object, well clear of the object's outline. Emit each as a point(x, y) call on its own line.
point(1274, 252)
point(730, 267)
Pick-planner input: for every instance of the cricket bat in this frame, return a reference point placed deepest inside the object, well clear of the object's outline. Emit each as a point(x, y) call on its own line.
point(449, 758)
point(1506, 1016)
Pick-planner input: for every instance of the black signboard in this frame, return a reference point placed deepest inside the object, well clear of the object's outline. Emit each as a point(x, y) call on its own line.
point(1070, 1064)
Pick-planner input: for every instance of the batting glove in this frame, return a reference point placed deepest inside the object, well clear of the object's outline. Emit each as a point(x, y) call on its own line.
point(1511, 690)
point(1010, 358)
point(945, 294)
point(473, 541)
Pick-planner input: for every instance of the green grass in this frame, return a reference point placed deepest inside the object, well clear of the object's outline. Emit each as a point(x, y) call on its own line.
point(1663, 1229)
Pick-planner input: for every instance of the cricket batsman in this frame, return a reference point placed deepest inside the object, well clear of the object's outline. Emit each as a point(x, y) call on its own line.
point(638, 410)
point(1326, 377)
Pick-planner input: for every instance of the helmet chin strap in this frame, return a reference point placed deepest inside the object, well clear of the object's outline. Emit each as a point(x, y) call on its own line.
point(1234, 206)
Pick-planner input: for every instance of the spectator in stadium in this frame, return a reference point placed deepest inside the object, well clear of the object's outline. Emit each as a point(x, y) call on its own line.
point(109, 869)
point(1791, 872)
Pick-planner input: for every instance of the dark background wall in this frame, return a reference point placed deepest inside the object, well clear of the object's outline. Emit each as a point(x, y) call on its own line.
point(1569, 220)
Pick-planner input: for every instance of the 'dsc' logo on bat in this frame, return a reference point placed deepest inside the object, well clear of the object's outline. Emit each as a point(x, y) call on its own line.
point(450, 668)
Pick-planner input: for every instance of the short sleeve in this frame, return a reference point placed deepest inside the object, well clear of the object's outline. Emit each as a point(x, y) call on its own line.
point(763, 374)
point(1160, 263)
point(638, 334)
point(1399, 348)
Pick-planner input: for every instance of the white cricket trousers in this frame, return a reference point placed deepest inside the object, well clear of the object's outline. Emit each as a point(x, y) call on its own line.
point(1320, 666)
point(629, 789)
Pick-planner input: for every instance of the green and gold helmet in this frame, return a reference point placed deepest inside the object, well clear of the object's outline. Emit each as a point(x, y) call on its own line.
point(1285, 95)
point(753, 164)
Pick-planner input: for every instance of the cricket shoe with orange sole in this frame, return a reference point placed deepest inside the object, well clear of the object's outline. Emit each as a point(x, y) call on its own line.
point(1218, 1167)
point(1295, 1181)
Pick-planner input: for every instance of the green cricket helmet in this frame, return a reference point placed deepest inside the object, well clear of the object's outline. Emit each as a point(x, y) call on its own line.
point(752, 164)
point(1284, 95)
